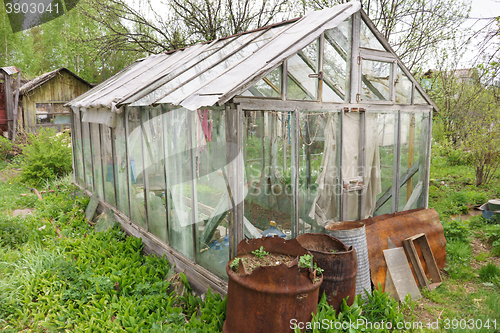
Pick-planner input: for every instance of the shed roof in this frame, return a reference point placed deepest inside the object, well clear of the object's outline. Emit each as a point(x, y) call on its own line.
point(38, 81)
point(210, 73)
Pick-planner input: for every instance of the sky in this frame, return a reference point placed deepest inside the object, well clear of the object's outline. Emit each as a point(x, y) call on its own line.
point(481, 10)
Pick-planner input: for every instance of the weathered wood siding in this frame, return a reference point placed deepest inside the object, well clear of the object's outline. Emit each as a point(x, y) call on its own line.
point(62, 88)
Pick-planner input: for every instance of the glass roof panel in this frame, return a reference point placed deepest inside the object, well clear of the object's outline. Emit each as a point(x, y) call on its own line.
point(175, 80)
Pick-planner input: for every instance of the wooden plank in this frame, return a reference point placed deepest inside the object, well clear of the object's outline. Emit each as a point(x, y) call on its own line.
point(428, 256)
point(400, 273)
point(275, 104)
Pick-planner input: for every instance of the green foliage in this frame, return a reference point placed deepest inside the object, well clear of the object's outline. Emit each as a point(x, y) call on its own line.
point(307, 261)
point(493, 234)
point(260, 253)
point(378, 307)
point(88, 281)
point(47, 155)
point(457, 230)
point(489, 272)
point(458, 259)
point(13, 233)
point(5, 147)
point(236, 262)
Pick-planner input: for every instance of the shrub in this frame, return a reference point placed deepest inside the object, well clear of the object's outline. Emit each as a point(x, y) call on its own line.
point(5, 147)
point(47, 155)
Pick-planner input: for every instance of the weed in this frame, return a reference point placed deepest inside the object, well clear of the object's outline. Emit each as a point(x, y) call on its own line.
point(236, 262)
point(482, 256)
point(457, 230)
point(306, 261)
point(260, 253)
point(5, 147)
point(459, 255)
point(489, 272)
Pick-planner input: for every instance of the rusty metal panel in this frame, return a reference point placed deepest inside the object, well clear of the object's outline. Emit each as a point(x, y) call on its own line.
point(340, 267)
point(399, 226)
point(267, 299)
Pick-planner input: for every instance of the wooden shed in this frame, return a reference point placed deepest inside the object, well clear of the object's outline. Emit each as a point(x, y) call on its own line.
point(304, 122)
point(42, 99)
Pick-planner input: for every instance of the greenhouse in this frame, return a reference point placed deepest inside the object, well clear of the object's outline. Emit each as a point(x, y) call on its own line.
point(304, 122)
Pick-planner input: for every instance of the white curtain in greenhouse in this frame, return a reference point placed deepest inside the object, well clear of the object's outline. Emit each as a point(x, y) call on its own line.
point(325, 205)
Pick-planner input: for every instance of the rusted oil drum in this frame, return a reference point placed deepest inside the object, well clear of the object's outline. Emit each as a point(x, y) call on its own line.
point(270, 298)
point(340, 264)
point(354, 234)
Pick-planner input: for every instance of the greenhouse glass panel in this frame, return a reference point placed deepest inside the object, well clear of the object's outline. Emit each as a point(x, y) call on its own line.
point(336, 71)
point(268, 172)
point(87, 157)
point(414, 136)
point(319, 170)
point(211, 183)
point(403, 87)
point(78, 148)
point(107, 163)
point(270, 86)
point(180, 145)
point(300, 85)
point(96, 159)
point(368, 40)
point(135, 143)
point(387, 146)
point(154, 171)
point(376, 80)
point(419, 99)
point(121, 165)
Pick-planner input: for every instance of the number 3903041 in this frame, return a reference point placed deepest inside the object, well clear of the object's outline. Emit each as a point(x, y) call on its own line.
point(33, 8)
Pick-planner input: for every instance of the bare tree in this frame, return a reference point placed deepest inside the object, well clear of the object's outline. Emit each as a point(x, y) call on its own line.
point(185, 22)
point(413, 27)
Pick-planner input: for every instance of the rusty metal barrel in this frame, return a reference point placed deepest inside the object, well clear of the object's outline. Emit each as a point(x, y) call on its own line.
point(270, 298)
point(340, 266)
point(354, 234)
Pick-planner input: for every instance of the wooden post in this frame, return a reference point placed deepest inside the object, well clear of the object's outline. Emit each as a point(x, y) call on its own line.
point(16, 102)
point(9, 105)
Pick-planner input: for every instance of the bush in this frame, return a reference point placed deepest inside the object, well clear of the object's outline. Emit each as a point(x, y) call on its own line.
point(5, 147)
point(47, 155)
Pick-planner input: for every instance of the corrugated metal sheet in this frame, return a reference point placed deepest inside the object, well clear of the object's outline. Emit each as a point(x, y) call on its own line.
point(11, 70)
point(210, 73)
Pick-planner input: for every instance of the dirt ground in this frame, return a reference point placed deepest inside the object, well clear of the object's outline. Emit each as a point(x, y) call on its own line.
point(9, 173)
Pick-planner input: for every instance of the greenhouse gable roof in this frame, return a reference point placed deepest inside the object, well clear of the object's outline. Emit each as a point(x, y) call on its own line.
point(212, 73)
